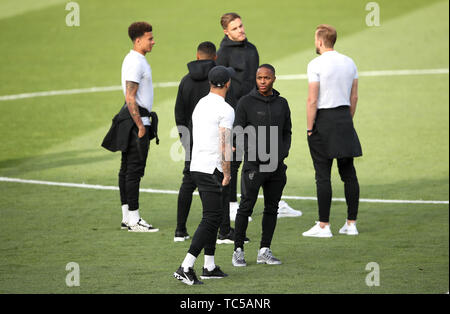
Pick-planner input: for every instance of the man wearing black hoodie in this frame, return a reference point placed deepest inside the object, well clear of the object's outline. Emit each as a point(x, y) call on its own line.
point(237, 52)
point(263, 129)
point(192, 88)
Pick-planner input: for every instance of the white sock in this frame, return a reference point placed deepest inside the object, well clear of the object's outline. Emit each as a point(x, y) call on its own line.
point(263, 249)
point(133, 217)
point(125, 213)
point(209, 262)
point(188, 262)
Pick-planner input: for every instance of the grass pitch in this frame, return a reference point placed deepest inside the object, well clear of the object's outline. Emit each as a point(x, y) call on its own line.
point(402, 122)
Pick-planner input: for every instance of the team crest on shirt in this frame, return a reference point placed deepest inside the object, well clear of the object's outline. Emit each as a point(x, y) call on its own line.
point(251, 175)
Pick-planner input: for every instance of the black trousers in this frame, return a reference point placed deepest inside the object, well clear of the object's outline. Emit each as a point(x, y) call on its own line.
point(235, 164)
point(188, 187)
point(347, 172)
point(132, 168)
point(272, 184)
point(211, 193)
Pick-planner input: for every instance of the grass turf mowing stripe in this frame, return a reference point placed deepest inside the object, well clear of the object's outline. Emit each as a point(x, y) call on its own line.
point(175, 84)
point(103, 187)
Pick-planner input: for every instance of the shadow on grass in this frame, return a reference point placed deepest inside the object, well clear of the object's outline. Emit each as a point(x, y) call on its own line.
point(19, 166)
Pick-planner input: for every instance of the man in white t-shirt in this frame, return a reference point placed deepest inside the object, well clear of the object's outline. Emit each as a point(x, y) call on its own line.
point(212, 122)
point(138, 91)
point(331, 105)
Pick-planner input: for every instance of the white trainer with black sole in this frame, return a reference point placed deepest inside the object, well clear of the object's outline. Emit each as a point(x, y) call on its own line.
point(142, 226)
point(181, 236)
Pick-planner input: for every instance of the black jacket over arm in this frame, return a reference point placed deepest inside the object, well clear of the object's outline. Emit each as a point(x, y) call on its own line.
point(256, 110)
point(122, 124)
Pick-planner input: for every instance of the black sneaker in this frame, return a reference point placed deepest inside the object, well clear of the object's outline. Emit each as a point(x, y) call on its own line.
point(228, 238)
point(189, 278)
point(216, 273)
point(180, 236)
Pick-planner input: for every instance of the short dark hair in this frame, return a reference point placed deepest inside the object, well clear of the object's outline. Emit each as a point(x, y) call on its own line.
point(328, 34)
point(267, 66)
point(227, 18)
point(207, 48)
point(138, 29)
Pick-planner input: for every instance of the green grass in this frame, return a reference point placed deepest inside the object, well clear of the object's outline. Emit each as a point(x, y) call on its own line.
point(402, 121)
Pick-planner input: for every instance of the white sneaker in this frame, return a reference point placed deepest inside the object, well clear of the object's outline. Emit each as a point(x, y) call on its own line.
point(233, 210)
point(284, 210)
point(234, 206)
point(142, 226)
point(349, 229)
point(318, 232)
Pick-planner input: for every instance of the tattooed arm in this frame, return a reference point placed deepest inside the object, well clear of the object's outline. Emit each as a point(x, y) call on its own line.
point(130, 98)
point(226, 153)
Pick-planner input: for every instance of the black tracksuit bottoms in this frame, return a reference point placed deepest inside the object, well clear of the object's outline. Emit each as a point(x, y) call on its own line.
point(132, 168)
point(347, 172)
point(188, 187)
point(211, 194)
point(272, 184)
point(235, 164)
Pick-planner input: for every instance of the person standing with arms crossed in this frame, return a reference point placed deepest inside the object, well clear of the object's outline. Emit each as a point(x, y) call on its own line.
point(331, 106)
point(212, 122)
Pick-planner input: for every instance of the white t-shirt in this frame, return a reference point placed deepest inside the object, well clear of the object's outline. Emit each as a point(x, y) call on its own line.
point(211, 112)
point(335, 74)
point(135, 68)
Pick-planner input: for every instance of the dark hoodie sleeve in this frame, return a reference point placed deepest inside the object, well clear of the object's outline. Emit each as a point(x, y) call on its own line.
point(180, 108)
point(287, 131)
point(222, 57)
point(240, 120)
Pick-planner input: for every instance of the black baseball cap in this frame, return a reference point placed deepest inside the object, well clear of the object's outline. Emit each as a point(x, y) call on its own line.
point(220, 75)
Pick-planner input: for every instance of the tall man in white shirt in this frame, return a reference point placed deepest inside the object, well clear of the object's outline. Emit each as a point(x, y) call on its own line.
point(138, 90)
point(212, 122)
point(331, 105)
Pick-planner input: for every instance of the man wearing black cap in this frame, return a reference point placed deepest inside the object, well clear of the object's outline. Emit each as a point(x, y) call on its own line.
point(264, 117)
point(194, 86)
point(212, 121)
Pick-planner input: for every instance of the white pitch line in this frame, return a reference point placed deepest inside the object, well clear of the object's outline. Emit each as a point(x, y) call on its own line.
point(103, 187)
point(374, 73)
point(174, 84)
